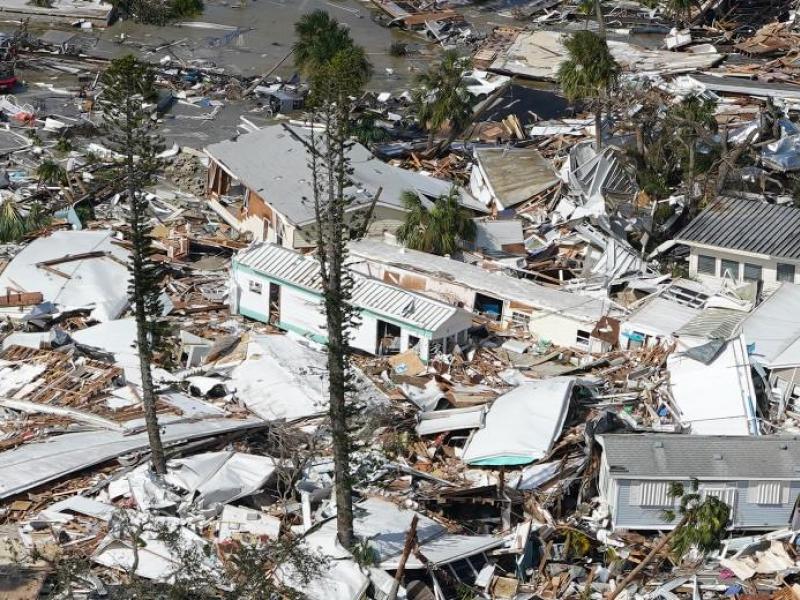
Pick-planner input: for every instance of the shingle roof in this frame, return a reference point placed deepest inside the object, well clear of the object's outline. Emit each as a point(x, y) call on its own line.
point(677, 456)
point(747, 225)
point(370, 294)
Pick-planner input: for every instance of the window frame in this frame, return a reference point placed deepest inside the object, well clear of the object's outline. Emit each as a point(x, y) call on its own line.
point(778, 272)
point(722, 268)
point(778, 493)
point(700, 258)
point(256, 287)
point(579, 338)
point(752, 266)
point(664, 500)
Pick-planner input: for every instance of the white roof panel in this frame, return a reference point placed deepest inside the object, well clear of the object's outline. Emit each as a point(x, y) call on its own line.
point(100, 283)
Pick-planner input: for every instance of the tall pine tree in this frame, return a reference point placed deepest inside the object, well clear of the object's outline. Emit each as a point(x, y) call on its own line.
point(338, 75)
point(128, 86)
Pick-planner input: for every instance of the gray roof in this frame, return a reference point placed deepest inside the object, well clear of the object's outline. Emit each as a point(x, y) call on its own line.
point(583, 308)
point(370, 294)
point(516, 174)
point(747, 225)
point(274, 163)
point(682, 456)
point(493, 235)
point(739, 86)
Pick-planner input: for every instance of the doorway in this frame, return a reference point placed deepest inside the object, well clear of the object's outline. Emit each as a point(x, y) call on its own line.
point(388, 341)
point(274, 303)
point(488, 306)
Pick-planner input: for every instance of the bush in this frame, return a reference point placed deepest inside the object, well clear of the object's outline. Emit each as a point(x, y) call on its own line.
point(186, 8)
point(398, 49)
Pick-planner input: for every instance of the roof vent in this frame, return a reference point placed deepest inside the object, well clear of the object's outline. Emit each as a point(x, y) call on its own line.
point(718, 457)
point(658, 444)
point(784, 446)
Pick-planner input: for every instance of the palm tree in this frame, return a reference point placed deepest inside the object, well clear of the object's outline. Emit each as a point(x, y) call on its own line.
point(443, 97)
point(438, 229)
point(50, 172)
point(590, 73)
point(586, 7)
point(12, 222)
point(690, 121)
point(319, 38)
point(681, 8)
point(702, 525)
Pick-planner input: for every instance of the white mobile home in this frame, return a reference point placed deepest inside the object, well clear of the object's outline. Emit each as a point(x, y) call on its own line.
point(276, 285)
point(563, 318)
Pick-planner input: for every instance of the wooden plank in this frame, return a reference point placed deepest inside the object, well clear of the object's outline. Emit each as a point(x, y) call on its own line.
point(23, 299)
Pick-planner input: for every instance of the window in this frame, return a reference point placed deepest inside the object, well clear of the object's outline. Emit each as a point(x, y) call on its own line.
point(768, 492)
point(724, 493)
point(255, 287)
point(582, 338)
point(521, 319)
point(706, 264)
point(651, 494)
point(636, 339)
point(785, 272)
point(730, 268)
point(752, 272)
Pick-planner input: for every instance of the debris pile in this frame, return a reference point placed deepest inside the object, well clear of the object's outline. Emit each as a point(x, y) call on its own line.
point(592, 392)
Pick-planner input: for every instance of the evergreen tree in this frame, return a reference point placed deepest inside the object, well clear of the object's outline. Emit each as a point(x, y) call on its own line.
point(335, 80)
point(128, 84)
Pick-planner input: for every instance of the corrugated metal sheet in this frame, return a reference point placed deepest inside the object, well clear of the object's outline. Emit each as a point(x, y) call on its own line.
point(282, 263)
point(370, 294)
point(713, 324)
point(747, 225)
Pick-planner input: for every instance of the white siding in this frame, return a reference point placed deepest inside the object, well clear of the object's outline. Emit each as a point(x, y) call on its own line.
point(768, 266)
point(302, 311)
point(557, 329)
